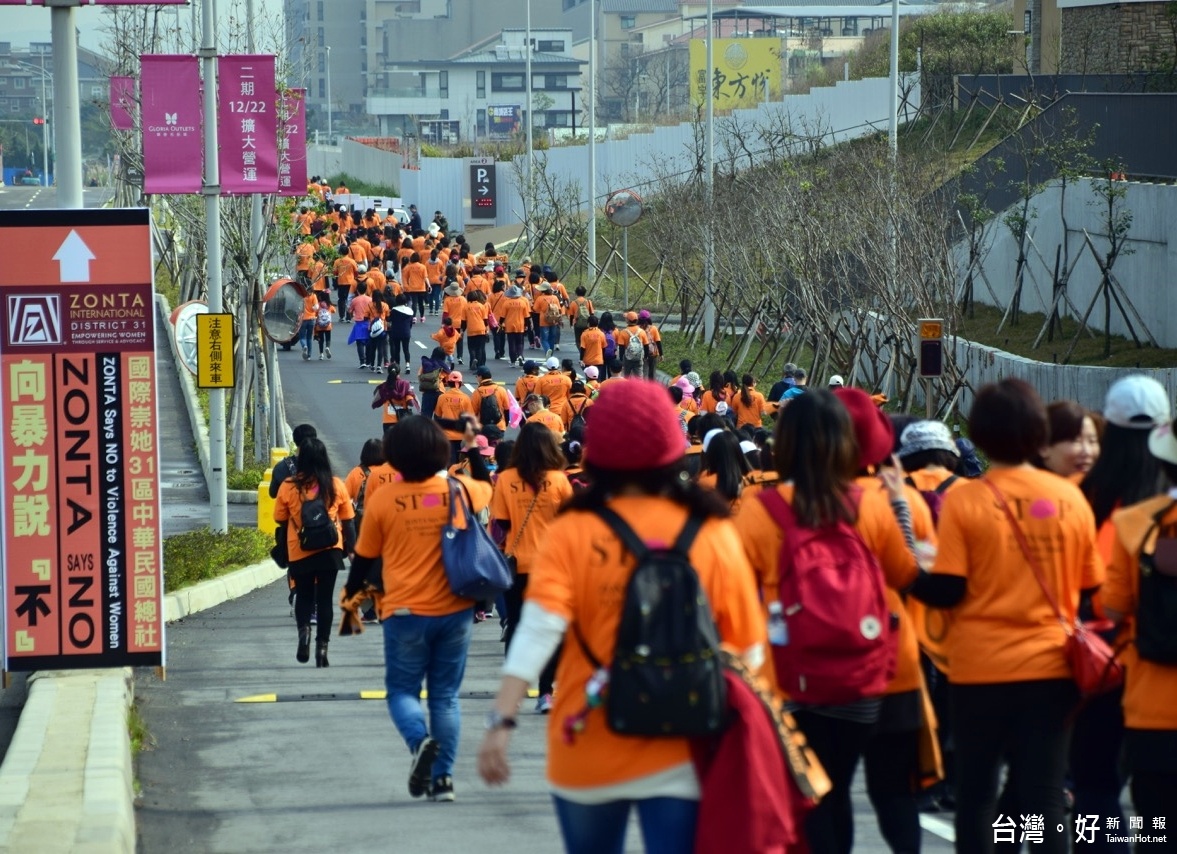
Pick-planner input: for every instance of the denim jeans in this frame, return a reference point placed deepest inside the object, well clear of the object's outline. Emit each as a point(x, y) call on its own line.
point(668, 825)
point(433, 650)
point(306, 333)
point(547, 337)
point(434, 297)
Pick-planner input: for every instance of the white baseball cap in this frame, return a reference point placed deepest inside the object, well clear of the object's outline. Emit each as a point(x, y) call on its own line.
point(1162, 444)
point(1137, 402)
point(836, 381)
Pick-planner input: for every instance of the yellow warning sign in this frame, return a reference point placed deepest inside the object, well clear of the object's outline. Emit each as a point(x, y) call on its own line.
point(215, 367)
point(930, 329)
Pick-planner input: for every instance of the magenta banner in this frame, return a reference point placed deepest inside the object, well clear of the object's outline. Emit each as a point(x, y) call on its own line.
point(292, 144)
point(247, 124)
point(122, 103)
point(172, 124)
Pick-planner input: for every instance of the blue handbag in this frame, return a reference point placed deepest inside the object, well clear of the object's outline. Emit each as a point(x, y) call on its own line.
point(474, 566)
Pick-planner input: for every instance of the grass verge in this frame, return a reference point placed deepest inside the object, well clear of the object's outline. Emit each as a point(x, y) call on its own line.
point(1019, 340)
point(199, 555)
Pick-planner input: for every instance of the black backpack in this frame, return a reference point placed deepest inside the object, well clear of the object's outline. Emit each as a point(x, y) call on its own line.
point(666, 678)
point(318, 530)
point(934, 498)
point(578, 422)
point(490, 414)
point(1156, 604)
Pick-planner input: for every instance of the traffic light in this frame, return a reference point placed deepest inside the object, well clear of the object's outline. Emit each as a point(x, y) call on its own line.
point(38, 120)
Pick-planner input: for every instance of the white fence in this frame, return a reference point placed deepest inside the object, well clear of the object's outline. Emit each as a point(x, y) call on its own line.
point(1146, 267)
point(831, 114)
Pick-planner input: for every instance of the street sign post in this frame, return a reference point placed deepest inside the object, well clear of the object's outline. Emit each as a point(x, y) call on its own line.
point(215, 366)
point(80, 535)
point(483, 188)
point(930, 355)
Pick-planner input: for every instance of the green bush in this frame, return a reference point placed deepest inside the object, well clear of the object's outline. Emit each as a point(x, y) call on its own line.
point(200, 555)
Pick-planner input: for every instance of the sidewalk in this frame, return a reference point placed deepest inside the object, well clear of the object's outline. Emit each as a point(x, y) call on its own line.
point(66, 777)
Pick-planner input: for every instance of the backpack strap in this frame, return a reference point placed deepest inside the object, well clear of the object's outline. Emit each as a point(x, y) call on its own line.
point(633, 543)
point(939, 490)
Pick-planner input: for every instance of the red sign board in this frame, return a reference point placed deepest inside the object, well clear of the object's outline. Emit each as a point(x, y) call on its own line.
point(80, 534)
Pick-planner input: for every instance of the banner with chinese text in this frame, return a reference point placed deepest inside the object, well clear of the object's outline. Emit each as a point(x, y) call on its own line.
point(80, 535)
point(173, 124)
point(292, 144)
point(247, 124)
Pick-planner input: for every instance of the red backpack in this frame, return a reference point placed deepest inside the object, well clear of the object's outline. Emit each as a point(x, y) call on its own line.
point(841, 644)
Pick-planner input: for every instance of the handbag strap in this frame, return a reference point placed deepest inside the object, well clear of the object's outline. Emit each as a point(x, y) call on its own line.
point(519, 534)
point(1025, 547)
point(459, 495)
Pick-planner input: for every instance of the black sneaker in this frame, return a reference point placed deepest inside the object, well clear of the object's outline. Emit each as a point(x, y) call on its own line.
point(442, 790)
point(421, 770)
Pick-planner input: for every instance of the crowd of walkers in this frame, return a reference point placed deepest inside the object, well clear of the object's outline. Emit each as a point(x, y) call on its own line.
point(913, 602)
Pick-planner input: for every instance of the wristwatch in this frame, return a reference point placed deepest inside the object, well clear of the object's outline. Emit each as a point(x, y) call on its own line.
point(496, 721)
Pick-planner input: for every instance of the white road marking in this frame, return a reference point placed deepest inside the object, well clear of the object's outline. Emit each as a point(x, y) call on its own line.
point(419, 344)
point(939, 827)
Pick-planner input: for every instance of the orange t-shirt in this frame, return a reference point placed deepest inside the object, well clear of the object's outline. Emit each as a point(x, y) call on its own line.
point(475, 316)
point(554, 385)
point(929, 479)
point(580, 574)
point(455, 307)
point(1150, 689)
point(580, 306)
point(524, 386)
point(310, 306)
point(381, 475)
point(515, 313)
point(486, 388)
point(451, 405)
point(511, 501)
point(447, 339)
point(288, 506)
point(413, 277)
point(622, 336)
point(345, 270)
point(593, 342)
point(1004, 630)
point(550, 420)
point(305, 252)
point(402, 524)
point(752, 413)
point(710, 401)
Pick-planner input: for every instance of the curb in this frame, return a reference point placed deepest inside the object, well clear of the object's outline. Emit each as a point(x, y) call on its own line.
point(209, 594)
point(66, 782)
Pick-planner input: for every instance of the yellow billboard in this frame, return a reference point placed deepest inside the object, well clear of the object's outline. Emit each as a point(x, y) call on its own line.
point(743, 68)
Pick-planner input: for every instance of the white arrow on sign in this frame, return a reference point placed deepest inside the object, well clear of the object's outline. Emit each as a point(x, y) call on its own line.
point(482, 191)
point(74, 258)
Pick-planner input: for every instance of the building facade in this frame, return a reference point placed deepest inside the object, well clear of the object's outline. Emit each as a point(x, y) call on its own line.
point(482, 94)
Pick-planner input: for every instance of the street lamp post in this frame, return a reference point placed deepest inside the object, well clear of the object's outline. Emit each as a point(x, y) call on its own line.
point(44, 127)
point(330, 135)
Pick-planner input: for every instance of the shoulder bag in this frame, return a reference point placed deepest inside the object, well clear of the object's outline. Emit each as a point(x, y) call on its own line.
point(474, 566)
point(1093, 662)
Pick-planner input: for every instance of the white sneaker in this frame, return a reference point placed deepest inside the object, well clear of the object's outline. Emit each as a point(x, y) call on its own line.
point(328, 352)
point(544, 704)
point(321, 357)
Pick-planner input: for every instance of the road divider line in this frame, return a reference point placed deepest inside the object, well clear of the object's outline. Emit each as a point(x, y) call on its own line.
point(358, 695)
point(938, 827)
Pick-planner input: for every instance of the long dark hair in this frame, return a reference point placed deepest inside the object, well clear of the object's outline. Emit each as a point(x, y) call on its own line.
point(715, 383)
point(727, 462)
point(746, 383)
point(816, 449)
point(671, 482)
point(1124, 473)
point(537, 452)
point(312, 466)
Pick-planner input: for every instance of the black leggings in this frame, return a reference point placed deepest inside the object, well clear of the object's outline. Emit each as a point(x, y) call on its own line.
point(514, 598)
point(1026, 724)
point(838, 744)
point(500, 339)
point(418, 298)
point(314, 589)
point(477, 349)
point(891, 763)
point(515, 345)
point(399, 344)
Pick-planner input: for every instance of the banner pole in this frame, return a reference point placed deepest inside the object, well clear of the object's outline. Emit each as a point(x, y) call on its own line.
point(218, 495)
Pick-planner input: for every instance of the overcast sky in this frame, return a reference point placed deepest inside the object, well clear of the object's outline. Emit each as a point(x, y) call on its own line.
point(22, 25)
